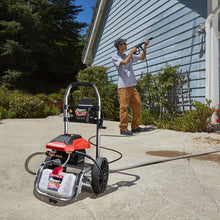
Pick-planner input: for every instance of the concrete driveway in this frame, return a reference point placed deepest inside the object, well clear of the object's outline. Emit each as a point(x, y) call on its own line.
point(180, 189)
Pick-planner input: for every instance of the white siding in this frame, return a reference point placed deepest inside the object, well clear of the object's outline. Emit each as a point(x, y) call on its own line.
point(173, 21)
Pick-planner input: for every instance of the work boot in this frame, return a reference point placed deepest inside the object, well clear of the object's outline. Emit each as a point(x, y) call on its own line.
point(126, 132)
point(139, 130)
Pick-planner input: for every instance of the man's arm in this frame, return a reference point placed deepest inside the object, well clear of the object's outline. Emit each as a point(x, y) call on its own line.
point(143, 55)
point(127, 59)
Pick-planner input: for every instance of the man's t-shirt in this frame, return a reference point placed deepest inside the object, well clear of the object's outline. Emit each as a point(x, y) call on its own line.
point(126, 77)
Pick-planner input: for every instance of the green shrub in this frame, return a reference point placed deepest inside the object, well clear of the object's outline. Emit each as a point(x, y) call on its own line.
point(4, 97)
point(198, 120)
point(51, 109)
point(15, 104)
point(109, 100)
point(42, 96)
point(166, 121)
point(96, 75)
point(156, 90)
point(3, 113)
point(108, 92)
point(54, 97)
point(148, 116)
point(26, 106)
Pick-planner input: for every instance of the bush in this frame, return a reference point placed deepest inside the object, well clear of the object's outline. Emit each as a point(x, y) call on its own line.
point(148, 117)
point(42, 96)
point(3, 113)
point(52, 109)
point(53, 102)
point(109, 100)
point(198, 120)
point(96, 75)
point(15, 104)
point(4, 97)
point(108, 92)
point(26, 106)
point(156, 90)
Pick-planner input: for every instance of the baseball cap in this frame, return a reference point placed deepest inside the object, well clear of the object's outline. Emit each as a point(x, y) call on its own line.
point(119, 41)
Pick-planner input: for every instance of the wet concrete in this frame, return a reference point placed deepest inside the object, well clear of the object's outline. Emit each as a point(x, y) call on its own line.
point(169, 154)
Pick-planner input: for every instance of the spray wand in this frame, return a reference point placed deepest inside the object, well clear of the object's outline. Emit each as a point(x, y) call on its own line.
point(139, 46)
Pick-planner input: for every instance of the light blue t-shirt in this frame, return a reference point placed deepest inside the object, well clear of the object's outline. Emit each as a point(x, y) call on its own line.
point(126, 77)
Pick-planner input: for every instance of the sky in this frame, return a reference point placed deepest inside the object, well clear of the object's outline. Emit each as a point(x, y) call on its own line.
point(86, 15)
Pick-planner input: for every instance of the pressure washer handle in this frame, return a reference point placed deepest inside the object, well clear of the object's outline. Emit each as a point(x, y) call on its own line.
point(139, 45)
point(65, 112)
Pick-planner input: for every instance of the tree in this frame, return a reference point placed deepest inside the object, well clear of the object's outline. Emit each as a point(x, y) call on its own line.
point(40, 44)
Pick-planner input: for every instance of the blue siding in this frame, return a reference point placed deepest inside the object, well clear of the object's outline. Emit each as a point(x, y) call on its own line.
point(173, 21)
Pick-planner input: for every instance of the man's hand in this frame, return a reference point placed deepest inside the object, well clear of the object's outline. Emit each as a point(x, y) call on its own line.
point(146, 42)
point(126, 60)
point(143, 55)
point(134, 50)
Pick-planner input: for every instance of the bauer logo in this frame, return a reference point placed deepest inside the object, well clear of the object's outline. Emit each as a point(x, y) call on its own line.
point(54, 182)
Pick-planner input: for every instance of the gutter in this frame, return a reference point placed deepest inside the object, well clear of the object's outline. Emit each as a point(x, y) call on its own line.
point(93, 31)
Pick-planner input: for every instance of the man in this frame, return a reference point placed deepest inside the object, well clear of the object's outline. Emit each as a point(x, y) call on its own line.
point(127, 92)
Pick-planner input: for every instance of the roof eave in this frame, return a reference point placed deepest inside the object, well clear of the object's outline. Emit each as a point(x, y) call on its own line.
point(93, 31)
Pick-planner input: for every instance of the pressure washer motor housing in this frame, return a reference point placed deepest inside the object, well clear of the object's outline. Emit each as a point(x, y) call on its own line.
point(60, 176)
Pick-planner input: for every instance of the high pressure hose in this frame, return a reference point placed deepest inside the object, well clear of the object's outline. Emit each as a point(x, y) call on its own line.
point(147, 163)
point(162, 161)
point(28, 160)
point(126, 167)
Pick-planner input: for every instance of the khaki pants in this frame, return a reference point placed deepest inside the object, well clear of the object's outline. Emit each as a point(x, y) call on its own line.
point(129, 97)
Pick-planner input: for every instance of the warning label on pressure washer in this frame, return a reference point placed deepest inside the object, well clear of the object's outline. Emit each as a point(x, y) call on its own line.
point(54, 182)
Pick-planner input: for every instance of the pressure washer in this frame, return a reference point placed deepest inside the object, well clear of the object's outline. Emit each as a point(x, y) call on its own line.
point(60, 176)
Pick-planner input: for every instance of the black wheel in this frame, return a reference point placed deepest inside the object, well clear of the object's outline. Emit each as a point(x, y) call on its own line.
point(100, 173)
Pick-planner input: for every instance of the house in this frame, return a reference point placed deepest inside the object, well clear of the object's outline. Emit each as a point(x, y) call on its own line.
point(186, 34)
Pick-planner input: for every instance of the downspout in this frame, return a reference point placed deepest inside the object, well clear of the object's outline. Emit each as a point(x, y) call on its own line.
point(208, 55)
point(212, 79)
